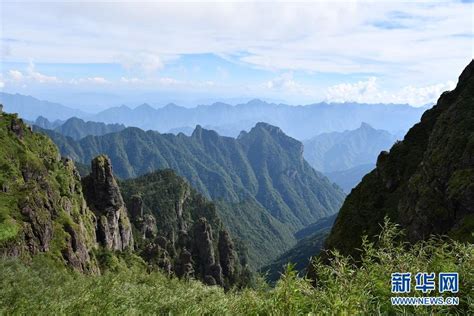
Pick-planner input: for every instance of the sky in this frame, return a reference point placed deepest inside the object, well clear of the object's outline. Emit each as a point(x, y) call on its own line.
point(95, 54)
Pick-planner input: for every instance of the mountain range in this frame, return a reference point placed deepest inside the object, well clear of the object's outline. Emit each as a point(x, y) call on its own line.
point(31, 108)
point(264, 188)
point(338, 151)
point(77, 128)
point(345, 157)
point(300, 122)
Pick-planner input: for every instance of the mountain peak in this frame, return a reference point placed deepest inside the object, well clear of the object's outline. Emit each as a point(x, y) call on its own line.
point(171, 106)
point(199, 131)
point(144, 106)
point(267, 127)
point(467, 73)
point(365, 126)
point(256, 102)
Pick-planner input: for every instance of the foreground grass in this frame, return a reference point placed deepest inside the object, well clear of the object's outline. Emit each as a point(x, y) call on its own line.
point(342, 288)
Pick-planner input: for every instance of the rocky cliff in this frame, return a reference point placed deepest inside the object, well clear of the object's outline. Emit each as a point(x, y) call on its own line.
point(425, 183)
point(42, 209)
point(103, 196)
point(179, 231)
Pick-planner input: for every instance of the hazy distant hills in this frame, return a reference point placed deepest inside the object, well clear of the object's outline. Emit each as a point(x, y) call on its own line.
point(348, 179)
point(300, 122)
point(77, 128)
point(265, 188)
point(337, 151)
point(345, 157)
point(31, 108)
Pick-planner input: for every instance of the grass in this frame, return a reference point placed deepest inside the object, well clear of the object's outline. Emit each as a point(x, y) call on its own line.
point(44, 287)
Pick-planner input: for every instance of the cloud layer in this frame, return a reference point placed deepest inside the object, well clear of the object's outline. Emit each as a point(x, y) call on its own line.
point(381, 49)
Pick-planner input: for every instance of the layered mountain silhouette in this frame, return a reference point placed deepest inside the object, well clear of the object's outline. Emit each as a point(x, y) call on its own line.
point(77, 128)
point(425, 183)
point(300, 122)
point(338, 151)
point(31, 108)
point(345, 157)
point(264, 188)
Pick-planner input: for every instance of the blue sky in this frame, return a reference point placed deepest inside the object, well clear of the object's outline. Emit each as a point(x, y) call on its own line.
point(97, 54)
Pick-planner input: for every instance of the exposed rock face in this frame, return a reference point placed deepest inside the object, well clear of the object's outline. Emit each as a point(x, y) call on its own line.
point(47, 212)
point(228, 256)
point(425, 183)
point(210, 271)
point(16, 126)
point(180, 231)
point(103, 196)
point(145, 223)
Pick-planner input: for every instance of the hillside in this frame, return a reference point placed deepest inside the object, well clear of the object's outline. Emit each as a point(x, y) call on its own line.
point(425, 183)
point(271, 188)
point(344, 289)
point(310, 242)
point(42, 209)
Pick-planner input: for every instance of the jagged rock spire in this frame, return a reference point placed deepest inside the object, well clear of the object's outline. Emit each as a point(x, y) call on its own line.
point(103, 197)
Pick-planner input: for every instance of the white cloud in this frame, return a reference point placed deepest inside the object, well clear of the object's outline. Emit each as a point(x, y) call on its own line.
point(286, 84)
point(168, 81)
point(15, 75)
point(130, 80)
point(369, 92)
point(402, 39)
point(142, 62)
point(90, 80)
point(356, 92)
point(31, 75)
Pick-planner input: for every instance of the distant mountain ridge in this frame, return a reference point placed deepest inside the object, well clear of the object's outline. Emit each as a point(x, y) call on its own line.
point(348, 179)
point(338, 151)
point(77, 128)
point(261, 177)
point(300, 122)
point(31, 108)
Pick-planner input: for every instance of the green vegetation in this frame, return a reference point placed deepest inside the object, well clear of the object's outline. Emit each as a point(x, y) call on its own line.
point(425, 182)
point(168, 215)
point(41, 203)
point(264, 189)
point(171, 201)
point(342, 288)
point(310, 242)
